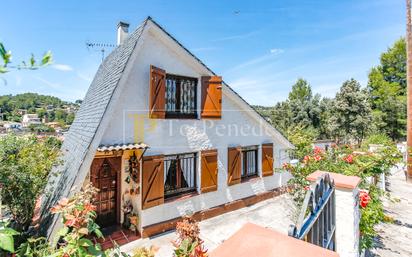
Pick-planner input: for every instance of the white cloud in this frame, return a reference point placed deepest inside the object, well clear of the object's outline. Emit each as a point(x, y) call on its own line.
point(234, 37)
point(48, 83)
point(203, 49)
point(84, 77)
point(62, 67)
point(276, 51)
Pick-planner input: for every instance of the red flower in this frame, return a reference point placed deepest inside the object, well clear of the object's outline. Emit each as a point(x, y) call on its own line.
point(317, 157)
point(348, 158)
point(317, 150)
point(364, 198)
point(306, 188)
point(306, 158)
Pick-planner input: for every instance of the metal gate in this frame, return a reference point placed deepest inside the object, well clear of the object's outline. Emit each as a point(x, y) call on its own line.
point(317, 219)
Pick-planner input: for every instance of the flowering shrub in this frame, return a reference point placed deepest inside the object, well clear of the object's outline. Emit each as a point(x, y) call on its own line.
point(78, 214)
point(346, 160)
point(188, 243)
point(371, 215)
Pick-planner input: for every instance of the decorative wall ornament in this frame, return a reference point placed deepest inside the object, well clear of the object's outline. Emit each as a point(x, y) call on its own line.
point(134, 168)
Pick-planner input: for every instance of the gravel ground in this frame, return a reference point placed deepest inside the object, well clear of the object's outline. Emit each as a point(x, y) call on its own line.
point(395, 239)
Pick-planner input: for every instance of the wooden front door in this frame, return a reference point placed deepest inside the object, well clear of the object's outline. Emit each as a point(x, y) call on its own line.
point(104, 176)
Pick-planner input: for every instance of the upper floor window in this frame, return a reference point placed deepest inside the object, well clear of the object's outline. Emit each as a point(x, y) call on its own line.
point(181, 97)
point(249, 162)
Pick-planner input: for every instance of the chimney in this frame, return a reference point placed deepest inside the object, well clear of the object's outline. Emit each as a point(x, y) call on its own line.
point(122, 32)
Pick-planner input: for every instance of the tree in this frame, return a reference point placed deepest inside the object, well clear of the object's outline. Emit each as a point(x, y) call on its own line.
point(387, 89)
point(25, 163)
point(324, 129)
point(409, 88)
point(281, 116)
point(70, 118)
point(351, 113)
point(304, 106)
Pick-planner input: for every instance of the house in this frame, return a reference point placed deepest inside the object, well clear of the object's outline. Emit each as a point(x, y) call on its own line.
point(54, 124)
point(325, 144)
point(30, 119)
point(162, 136)
point(12, 126)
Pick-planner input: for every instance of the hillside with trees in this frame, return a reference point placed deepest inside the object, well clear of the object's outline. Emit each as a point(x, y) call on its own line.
point(51, 108)
point(355, 111)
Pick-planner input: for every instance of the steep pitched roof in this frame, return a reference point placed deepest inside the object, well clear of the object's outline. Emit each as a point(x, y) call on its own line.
point(86, 123)
point(89, 117)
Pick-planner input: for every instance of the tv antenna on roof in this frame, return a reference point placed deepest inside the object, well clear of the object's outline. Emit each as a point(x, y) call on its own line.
point(102, 47)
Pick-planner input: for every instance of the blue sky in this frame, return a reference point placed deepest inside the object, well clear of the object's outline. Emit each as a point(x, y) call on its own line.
point(259, 47)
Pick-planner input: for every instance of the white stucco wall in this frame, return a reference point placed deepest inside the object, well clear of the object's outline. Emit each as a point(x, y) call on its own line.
point(347, 222)
point(238, 127)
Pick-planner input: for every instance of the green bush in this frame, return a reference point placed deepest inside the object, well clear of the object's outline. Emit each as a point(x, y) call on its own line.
point(25, 162)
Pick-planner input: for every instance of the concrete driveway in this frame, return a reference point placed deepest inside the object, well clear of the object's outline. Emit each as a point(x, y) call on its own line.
point(394, 238)
point(276, 213)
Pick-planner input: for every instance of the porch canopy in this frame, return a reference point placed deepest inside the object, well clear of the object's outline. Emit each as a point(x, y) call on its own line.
point(119, 147)
point(254, 240)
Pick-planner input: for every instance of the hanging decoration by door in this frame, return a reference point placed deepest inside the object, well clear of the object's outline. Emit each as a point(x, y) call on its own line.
point(134, 168)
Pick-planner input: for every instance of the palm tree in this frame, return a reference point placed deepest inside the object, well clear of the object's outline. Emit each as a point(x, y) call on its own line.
point(409, 88)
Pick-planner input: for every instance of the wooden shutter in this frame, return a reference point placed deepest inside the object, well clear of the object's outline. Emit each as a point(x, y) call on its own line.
point(152, 181)
point(208, 179)
point(233, 169)
point(267, 159)
point(211, 97)
point(157, 93)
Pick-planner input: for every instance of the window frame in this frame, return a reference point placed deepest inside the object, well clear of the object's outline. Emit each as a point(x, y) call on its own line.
point(244, 162)
point(178, 114)
point(178, 190)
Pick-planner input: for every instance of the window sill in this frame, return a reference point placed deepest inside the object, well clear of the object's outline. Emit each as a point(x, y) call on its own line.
point(250, 179)
point(180, 197)
point(181, 116)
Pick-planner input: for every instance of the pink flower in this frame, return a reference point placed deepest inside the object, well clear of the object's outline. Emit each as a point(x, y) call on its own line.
point(306, 158)
point(317, 157)
point(306, 188)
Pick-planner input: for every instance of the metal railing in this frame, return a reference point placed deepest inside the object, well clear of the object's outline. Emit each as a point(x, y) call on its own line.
point(317, 219)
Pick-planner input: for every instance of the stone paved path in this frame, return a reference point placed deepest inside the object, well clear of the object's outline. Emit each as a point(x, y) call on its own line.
point(396, 239)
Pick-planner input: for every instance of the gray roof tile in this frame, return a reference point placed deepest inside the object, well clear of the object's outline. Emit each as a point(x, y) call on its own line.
point(85, 125)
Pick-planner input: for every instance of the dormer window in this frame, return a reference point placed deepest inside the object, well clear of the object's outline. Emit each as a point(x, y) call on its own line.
point(180, 97)
point(175, 97)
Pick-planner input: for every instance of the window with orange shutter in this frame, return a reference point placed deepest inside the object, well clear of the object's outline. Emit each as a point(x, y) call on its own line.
point(211, 107)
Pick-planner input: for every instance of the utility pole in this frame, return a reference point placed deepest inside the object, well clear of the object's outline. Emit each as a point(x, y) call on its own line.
point(409, 90)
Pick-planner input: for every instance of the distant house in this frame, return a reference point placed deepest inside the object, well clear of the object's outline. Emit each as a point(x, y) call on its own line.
point(30, 119)
point(324, 144)
point(54, 124)
point(160, 133)
point(12, 126)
